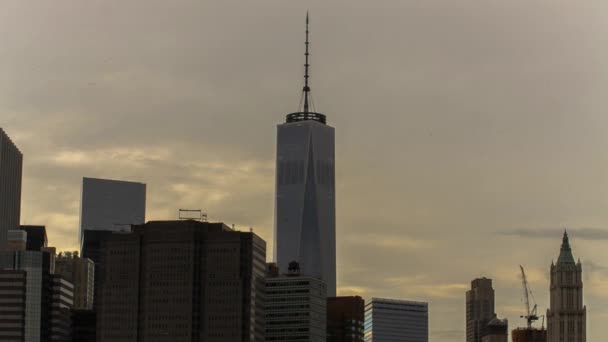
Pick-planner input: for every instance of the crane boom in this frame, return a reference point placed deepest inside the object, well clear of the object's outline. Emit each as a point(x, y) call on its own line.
point(531, 315)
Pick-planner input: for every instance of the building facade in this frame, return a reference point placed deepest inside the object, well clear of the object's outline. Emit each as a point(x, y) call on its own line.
point(567, 315)
point(12, 305)
point(36, 237)
point(345, 319)
point(391, 320)
point(62, 294)
point(305, 199)
point(172, 281)
point(480, 309)
point(11, 166)
point(81, 273)
point(296, 307)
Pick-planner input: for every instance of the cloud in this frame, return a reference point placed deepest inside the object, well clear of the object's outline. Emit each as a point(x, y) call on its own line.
point(551, 233)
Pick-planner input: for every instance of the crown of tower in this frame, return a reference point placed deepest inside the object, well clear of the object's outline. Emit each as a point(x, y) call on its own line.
point(565, 253)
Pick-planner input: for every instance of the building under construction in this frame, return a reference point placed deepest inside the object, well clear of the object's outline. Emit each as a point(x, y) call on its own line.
point(529, 333)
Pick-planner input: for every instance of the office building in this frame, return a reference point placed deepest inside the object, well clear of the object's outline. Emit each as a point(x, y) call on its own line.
point(497, 330)
point(11, 165)
point(81, 273)
point(60, 324)
point(567, 314)
point(480, 309)
point(111, 205)
point(529, 335)
point(182, 281)
point(345, 319)
point(296, 307)
point(391, 320)
point(305, 222)
point(30, 263)
point(36, 237)
point(12, 305)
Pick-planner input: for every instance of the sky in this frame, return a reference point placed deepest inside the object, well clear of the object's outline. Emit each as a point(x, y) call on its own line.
point(469, 134)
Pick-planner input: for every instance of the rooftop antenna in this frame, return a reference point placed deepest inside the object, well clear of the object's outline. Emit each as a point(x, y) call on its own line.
point(306, 88)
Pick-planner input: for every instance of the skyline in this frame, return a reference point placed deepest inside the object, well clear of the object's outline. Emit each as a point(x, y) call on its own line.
point(518, 138)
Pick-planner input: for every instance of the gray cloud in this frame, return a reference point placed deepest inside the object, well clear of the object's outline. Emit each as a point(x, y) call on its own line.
point(593, 234)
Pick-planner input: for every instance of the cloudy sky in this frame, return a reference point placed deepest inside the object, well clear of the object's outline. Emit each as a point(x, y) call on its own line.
point(469, 133)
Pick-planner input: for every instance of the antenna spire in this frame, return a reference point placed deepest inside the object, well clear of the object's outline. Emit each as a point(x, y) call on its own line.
point(306, 89)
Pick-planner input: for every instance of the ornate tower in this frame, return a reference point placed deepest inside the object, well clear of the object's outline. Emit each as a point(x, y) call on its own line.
point(567, 316)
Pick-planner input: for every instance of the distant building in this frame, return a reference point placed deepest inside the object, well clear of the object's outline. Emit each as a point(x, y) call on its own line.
point(305, 199)
point(12, 304)
point(497, 331)
point(36, 237)
point(111, 205)
point(81, 273)
point(182, 281)
point(388, 320)
point(480, 309)
point(107, 206)
point(11, 165)
point(296, 307)
point(567, 315)
point(345, 319)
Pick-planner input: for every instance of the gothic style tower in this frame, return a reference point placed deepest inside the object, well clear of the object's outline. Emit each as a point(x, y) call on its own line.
point(567, 316)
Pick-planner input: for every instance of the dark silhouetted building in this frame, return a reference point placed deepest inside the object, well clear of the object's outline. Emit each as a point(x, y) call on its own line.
point(345, 319)
point(497, 330)
point(296, 307)
point(529, 335)
point(182, 281)
point(305, 199)
point(84, 326)
point(81, 273)
point(388, 320)
point(62, 294)
point(567, 315)
point(480, 308)
point(11, 164)
point(36, 237)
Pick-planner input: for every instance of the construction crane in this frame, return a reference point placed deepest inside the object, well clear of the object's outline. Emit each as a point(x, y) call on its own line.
point(531, 314)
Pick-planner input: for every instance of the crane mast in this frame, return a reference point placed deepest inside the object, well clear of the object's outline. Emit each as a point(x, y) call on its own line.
point(531, 314)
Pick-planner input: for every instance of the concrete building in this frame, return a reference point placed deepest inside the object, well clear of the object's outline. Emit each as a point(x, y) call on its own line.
point(81, 273)
point(480, 309)
point(497, 331)
point(84, 326)
point(16, 240)
point(172, 281)
point(60, 324)
point(296, 307)
point(12, 305)
point(567, 315)
point(391, 320)
point(305, 222)
point(36, 237)
point(345, 319)
point(11, 165)
point(529, 335)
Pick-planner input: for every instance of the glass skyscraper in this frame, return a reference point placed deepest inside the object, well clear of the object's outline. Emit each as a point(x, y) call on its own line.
point(11, 164)
point(391, 320)
point(305, 222)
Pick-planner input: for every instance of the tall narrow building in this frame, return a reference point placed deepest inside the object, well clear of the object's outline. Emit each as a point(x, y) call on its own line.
point(305, 222)
point(11, 164)
point(480, 309)
point(567, 315)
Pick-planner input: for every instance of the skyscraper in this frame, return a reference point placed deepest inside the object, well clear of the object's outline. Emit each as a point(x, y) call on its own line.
point(11, 161)
point(305, 222)
point(392, 320)
point(182, 281)
point(81, 273)
point(567, 315)
point(111, 205)
point(480, 309)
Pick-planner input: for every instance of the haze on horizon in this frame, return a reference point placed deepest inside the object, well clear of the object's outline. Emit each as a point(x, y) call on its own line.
point(469, 134)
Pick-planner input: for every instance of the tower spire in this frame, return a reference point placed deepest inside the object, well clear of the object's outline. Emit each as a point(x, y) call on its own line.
point(306, 88)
